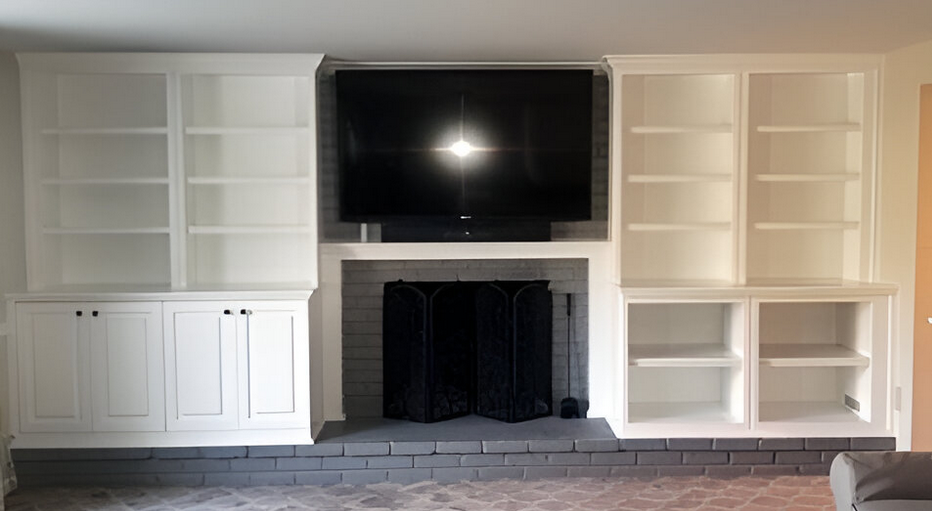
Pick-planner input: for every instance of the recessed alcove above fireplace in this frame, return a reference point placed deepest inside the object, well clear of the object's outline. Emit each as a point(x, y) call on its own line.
point(363, 349)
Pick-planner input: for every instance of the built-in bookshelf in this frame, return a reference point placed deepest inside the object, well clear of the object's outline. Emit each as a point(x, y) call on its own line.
point(679, 139)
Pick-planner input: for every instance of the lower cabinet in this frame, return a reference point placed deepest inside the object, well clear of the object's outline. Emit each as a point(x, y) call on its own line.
point(236, 365)
point(200, 370)
point(90, 367)
point(161, 368)
point(756, 361)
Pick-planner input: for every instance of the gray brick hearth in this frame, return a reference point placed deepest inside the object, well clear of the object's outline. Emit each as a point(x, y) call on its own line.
point(374, 462)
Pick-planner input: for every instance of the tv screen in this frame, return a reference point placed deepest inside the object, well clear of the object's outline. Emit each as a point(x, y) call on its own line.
point(456, 144)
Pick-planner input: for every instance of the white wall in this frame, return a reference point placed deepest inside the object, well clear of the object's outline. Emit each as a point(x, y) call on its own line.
point(904, 71)
point(12, 243)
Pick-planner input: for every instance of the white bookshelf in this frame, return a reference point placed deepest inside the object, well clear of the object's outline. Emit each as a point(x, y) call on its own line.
point(685, 362)
point(679, 168)
point(97, 178)
point(247, 162)
point(809, 167)
point(169, 170)
point(821, 361)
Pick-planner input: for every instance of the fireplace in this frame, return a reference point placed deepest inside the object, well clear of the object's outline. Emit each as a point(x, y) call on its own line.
point(363, 350)
point(455, 348)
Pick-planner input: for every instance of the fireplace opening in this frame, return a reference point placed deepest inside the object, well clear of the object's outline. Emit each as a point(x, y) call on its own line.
point(363, 349)
point(455, 348)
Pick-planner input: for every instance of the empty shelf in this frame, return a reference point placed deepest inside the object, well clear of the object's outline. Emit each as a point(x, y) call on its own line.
point(275, 180)
point(685, 226)
point(679, 178)
point(248, 229)
point(106, 230)
point(807, 178)
point(681, 355)
point(157, 130)
point(106, 181)
point(810, 355)
point(800, 411)
point(808, 128)
point(246, 130)
point(801, 226)
point(685, 128)
point(679, 412)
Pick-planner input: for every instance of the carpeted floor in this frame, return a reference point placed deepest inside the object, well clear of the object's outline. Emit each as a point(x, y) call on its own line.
point(797, 493)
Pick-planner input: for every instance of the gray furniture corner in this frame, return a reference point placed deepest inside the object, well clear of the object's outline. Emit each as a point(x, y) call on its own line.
point(882, 481)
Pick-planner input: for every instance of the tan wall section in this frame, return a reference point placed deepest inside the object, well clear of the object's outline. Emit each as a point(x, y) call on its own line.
point(905, 70)
point(922, 347)
point(12, 244)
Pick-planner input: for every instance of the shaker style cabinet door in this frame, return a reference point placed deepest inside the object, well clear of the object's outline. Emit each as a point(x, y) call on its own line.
point(54, 377)
point(272, 340)
point(127, 378)
point(200, 366)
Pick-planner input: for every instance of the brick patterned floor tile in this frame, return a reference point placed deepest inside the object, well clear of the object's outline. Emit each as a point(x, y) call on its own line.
point(753, 493)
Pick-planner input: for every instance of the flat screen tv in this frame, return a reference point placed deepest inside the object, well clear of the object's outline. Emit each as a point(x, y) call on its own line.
point(487, 145)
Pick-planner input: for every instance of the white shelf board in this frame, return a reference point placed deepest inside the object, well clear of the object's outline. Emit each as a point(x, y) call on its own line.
point(681, 355)
point(679, 178)
point(803, 411)
point(681, 128)
point(672, 413)
point(249, 229)
point(246, 130)
point(810, 355)
point(106, 230)
point(804, 226)
point(680, 226)
point(808, 128)
point(276, 180)
point(807, 178)
point(154, 130)
point(106, 181)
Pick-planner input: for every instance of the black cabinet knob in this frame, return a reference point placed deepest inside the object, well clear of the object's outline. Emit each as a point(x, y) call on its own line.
point(78, 313)
point(95, 313)
point(227, 312)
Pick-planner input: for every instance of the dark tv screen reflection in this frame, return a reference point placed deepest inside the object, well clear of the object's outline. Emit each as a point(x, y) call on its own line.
point(453, 144)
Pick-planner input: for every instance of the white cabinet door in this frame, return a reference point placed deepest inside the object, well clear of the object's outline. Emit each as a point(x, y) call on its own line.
point(52, 342)
point(200, 366)
point(272, 340)
point(127, 377)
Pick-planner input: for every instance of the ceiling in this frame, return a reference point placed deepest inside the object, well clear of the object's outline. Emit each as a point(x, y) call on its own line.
point(465, 30)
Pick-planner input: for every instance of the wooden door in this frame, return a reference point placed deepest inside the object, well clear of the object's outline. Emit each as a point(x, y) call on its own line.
point(54, 376)
point(922, 342)
point(127, 376)
point(200, 368)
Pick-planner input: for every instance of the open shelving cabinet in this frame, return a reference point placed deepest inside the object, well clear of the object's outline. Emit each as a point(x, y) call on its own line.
point(248, 173)
point(755, 361)
point(169, 171)
point(97, 154)
point(821, 363)
point(810, 141)
point(685, 365)
point(755, 171)
point(679, 180)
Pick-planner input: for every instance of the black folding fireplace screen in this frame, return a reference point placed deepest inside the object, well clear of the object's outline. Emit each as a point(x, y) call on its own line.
point(456, 348)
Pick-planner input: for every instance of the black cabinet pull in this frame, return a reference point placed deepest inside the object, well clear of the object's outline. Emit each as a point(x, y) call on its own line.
point(242, 312)
point(78, 313)
point(94, 314)
point(227, 312)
